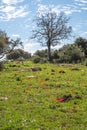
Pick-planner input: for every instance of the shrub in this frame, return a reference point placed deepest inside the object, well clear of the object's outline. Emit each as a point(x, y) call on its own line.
point(36, 59)
point(85, 62)
point(43, 60)
point(1, 66)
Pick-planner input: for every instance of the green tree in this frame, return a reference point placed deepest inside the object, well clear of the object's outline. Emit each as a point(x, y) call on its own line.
point(82, 43)
point(70, 53)
point(41, 53)
point(7, 45)
point(18, 53)
point(4, 43)
point(51, 29)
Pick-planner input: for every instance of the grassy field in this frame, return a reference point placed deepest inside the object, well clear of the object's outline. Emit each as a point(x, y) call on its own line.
point(43, 97)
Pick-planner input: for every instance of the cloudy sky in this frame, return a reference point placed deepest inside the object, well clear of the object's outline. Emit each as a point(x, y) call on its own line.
point(16, 17)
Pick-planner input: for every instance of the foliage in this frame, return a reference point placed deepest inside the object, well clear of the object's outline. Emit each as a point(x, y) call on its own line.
point(7, 45)
point(55, 54)
point(82, 43)
point(85, 62)
point(4, 43)
point(51, 29)
point(70, 53)
point(36, 59)
point(18, 53)
point(51, 99)
point(41, 53)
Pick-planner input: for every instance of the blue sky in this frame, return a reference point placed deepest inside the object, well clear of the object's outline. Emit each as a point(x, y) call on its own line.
point(16, 18)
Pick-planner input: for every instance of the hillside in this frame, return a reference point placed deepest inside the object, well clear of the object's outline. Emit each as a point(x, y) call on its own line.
point(43, 96)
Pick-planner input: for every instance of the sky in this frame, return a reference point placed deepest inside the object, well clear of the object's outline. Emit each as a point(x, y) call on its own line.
point(16, 18)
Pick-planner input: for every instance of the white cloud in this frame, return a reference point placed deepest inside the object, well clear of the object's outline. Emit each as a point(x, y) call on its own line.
point(15, 35)
point(84, 8)
point(11, 12)
point(8, 9)
point(9, 2)
point(32, 47)
point(79, 4)
point(83, 34)
point(82, 1)
point(42, 8)
point(68, 9)
point(45, 8)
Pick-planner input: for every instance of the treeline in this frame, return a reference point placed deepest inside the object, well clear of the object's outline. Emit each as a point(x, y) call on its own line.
point(70, 53)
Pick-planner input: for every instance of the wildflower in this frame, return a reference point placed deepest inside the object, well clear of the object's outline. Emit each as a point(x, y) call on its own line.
point(41, 80)
point(65, 98)
point(60, 100)
point(74, 107)
point(16, 88)
point(46, 85)
point(52, 99)
point(30, 85)
point(72, 90)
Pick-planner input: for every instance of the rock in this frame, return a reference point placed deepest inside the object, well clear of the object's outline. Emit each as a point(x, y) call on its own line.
point(78, 97)
point(3, 98)
point(36, 69)
point(62, 71)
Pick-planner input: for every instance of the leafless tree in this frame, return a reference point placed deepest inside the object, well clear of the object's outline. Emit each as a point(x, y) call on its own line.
point(51, 28)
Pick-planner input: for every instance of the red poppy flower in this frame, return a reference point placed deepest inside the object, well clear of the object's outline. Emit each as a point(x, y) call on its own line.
point(46, 85)
point(72, 90)
point(74, 107)
point(16, 88)
point(60, 100)
point(30, 85)
point(52, 99)
point(41, 80)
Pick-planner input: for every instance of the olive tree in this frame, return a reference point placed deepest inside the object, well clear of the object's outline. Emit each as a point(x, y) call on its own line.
point(7, 45)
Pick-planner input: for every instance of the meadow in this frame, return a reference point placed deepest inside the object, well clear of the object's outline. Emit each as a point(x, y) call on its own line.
point(43, 96)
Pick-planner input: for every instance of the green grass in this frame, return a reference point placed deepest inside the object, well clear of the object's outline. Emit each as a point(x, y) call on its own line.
point(32, 103)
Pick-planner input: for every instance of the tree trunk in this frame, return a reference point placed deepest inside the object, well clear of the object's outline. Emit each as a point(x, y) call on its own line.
point(49, 53)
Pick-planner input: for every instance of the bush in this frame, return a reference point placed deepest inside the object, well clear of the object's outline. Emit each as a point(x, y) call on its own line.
point(85, 62)
point(1, 66)
point(36, 59)
point(43, 60)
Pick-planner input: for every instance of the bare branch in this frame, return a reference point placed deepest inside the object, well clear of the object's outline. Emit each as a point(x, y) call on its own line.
point(51, 29)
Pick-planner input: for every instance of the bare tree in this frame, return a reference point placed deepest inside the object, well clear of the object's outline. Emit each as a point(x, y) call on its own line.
point(51, 28)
